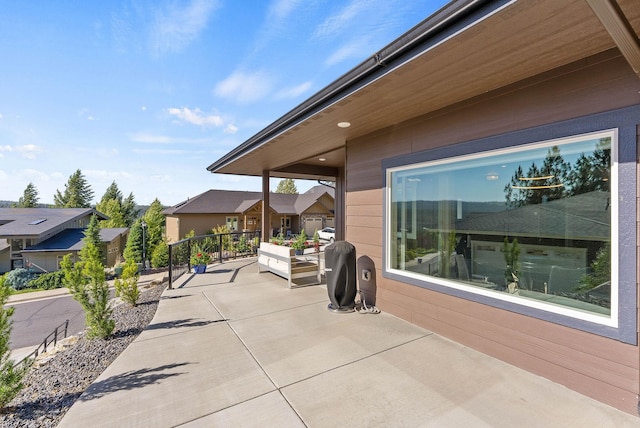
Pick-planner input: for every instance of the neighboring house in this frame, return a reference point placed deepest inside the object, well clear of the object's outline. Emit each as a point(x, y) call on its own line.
point(40, 237)
point(241, 211)
point(500, 104)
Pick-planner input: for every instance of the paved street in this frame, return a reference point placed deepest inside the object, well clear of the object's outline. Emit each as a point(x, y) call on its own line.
point(33, 320)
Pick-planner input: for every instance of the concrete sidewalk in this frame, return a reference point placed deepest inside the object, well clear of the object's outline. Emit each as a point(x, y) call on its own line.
point(236, 348)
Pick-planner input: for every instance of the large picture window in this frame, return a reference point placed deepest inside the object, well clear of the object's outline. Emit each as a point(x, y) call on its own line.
point(531, 224)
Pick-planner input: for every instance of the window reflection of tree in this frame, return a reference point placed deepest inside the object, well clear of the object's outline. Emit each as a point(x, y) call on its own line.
point(557, 178)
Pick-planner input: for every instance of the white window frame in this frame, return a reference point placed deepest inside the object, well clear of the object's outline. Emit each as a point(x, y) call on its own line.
point(611, 321)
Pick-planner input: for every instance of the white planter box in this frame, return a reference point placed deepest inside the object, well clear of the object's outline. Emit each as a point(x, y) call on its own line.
point(283, 262)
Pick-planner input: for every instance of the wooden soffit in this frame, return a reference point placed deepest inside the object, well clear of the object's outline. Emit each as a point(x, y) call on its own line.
point(513, 42)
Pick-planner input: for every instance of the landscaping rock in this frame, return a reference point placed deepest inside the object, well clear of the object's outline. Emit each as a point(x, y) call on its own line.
point(55, 383)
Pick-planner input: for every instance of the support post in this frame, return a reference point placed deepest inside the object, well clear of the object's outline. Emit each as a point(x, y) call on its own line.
point(339, 206)
point(266, 209)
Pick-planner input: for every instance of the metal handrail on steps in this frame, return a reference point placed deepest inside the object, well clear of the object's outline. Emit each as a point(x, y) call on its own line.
point(51, 338)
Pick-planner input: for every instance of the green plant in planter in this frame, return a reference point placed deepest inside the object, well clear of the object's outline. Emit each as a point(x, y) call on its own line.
point(278, 240)
point(199, 257)
point(511, 252)
point(300, 241)
point(316, 240)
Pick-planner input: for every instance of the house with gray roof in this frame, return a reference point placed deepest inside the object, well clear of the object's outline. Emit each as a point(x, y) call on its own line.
point(480, 100)
point(242, 211)
point(40, 237)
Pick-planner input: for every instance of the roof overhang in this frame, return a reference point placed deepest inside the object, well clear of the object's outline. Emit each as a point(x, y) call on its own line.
point(468, 48)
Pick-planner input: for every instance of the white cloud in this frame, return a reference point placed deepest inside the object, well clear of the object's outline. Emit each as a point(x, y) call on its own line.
point(144, 108)
point(1, 116)
point(161, 178)
point(294, 91)
point(231, 129)
point(85, 113)
point(28, 151)
point(106, 174)
point(245, 87)
point(168, 152)
point(176, 26)
point(150, 138)
point(147, 138)
point(354, 49)
point(340, 21)
point(195, 117)
point(281, 9)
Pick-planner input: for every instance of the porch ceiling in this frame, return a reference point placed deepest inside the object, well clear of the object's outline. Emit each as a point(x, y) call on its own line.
point(521, 40)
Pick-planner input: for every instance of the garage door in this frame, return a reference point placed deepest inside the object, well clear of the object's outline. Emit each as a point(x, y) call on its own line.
point(311, 224)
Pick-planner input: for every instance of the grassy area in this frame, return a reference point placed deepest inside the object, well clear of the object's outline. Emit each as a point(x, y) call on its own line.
point(26, 290)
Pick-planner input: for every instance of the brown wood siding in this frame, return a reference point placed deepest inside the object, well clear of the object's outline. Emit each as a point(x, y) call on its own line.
point(602, 368)
point(171, 228)
point(202, 224)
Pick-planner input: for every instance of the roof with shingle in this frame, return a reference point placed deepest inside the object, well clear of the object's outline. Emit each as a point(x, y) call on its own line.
point(37, 221)
point(72, 240)
point(235, 201)
point(586, 216)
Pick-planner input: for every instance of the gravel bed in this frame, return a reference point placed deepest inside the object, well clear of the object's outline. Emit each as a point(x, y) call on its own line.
point(54, 383)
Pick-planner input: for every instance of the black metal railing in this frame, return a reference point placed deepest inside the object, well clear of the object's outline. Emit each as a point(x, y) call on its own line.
point(52, 338)
point(219, 247)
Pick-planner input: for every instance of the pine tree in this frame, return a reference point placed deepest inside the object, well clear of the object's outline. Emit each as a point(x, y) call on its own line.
point(121, 212)
point(10, 375)
point(92, 237)
point(287, 185)
point(129, 210)
point(87, 282)
point(592, 172)
point(29, 198)
point(77, 193)
point(539, 184)
point(112, 209)
point(155, 226)
point(127, 286)
point(112, 192)
point(557, 178)
point(133, 250)
point(556, 172)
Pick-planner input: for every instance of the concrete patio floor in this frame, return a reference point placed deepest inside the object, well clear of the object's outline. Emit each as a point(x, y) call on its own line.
point(235, 348)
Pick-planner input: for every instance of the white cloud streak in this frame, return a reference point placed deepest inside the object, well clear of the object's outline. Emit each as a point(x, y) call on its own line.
point(353, 49)
point(340, 21)
point(27, 151)
point(294, 91)
point(231, 129)
point(281, 9)
point(245, 88)
point(196, 117)
point(147, 138)
point(177, 26)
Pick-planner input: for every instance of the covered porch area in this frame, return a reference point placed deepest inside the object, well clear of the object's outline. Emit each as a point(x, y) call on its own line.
point(233, 347)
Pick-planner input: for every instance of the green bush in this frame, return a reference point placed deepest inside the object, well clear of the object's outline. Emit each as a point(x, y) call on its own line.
point(127, 286)
point(49, 281)
point(160, 255)
point(10, 375)
point(86, 281)
point(19, 279)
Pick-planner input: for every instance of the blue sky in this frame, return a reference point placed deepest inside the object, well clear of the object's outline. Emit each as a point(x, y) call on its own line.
point(149, 93)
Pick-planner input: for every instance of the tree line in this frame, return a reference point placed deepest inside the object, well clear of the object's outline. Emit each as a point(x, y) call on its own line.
point(121, 212)
point(557, 178)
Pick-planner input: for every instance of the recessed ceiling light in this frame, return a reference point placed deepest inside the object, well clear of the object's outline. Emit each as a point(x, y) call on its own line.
point(322, 159)
point(344, 124)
